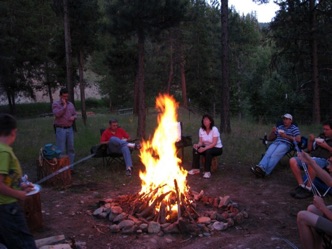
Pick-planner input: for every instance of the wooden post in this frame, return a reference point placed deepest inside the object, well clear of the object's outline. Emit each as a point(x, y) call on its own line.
point(32, 210)
point(46, 167)
point(214, 163)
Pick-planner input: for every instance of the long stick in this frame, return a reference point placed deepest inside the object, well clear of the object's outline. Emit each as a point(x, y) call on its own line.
point(70, 166)
point(178, 198)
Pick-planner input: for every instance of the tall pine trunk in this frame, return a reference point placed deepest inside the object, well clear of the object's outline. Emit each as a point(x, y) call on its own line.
point(225, 124)
point(140, 86)
point(314, 62)
point(82, 85)
point(183, 77)
point(69, 64)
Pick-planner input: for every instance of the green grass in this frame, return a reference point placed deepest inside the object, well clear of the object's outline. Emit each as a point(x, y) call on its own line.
point(242, 148)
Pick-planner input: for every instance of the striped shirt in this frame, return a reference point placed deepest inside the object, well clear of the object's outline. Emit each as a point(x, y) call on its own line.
point(292, 130)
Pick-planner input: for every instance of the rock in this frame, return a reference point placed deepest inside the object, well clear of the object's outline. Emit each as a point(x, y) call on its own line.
point(224, 201)
point(239, 218)
point(98, 211)
point(116, 210)
point(58, 246)
point(115, 228)
point(154, 227)
point(219, 226)
point(143, 227)
point(120, 217)
point(126, 224)
point(172, 228)
point(204, 220)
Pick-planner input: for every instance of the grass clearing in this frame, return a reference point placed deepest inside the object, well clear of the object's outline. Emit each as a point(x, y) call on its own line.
point(242, 148)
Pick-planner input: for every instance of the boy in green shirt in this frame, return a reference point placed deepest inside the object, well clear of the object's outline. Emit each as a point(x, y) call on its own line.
point(14, 232)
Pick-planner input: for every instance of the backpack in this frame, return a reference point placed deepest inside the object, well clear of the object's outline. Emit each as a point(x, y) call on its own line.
point(50, 151)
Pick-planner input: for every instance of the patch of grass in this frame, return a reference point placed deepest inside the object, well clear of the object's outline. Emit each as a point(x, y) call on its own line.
point(241, 147)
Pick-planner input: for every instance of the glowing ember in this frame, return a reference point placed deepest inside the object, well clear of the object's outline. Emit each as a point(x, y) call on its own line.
point(162, 166)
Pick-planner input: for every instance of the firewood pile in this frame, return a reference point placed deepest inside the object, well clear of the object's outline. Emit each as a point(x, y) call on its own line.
point(192, 213)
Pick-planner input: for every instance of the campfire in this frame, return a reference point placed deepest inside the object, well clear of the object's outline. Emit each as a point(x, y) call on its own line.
point(165, 202)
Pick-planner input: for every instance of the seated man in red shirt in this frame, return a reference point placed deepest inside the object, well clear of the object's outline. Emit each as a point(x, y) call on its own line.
point(117, 140)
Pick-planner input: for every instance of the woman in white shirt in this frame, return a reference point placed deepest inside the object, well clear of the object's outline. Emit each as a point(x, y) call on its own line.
point(209, 145)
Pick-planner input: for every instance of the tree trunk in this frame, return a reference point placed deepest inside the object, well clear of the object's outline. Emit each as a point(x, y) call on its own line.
point(314, 61)
point(82, 86)
point(48, 84)
point(183, 78)
point(171, 64)
point(10, 102)
point(69, 65)
point(141, 90)
point(225, 125)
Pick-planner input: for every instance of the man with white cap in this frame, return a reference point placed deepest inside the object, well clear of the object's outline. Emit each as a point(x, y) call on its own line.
point(283, 137)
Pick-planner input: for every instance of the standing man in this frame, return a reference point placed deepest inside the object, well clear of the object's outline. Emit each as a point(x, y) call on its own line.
point(65, 115)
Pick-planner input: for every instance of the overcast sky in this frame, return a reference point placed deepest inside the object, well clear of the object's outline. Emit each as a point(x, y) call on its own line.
point(264, 12)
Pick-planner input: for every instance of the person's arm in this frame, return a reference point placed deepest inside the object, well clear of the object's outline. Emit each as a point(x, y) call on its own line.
point(324, 145)
point(213, 144)
point(200, 141)
point(321, 173)
point(104, 137)
point(320, 204)
point(5, 190)
point(272, 136)
point(124, 134)
point(298, 138)
point(58, 109)
point(311, 142)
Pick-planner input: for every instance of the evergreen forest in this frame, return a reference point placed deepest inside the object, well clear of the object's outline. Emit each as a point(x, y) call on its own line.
point(202, 52)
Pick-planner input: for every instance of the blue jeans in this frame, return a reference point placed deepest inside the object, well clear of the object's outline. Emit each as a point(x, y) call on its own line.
point(65, 142)
point(14, 232)
point(273, 155)
point(117, 145)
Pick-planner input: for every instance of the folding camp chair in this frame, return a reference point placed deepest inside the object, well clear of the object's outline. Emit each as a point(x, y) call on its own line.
point(101, 151)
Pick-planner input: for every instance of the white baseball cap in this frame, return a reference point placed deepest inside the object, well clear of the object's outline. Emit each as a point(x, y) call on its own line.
point(287, 115)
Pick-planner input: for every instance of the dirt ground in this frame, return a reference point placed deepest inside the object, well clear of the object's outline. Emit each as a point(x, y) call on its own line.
point(271, 223)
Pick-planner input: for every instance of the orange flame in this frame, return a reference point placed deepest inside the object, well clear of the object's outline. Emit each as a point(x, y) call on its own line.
point(159, 154)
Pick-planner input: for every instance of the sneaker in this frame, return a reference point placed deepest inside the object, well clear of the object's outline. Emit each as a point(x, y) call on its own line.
point(193, 171)
point(258, 171)
point(128, 172)
point(293, 193)
point(302, 193)
point(207, 175)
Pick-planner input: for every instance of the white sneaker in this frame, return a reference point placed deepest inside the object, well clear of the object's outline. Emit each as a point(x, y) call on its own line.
point(207, 175)
point(193, 171)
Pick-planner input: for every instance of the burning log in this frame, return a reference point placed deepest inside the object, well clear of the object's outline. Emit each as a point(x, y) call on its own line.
point(177, 198)
point(150, 209)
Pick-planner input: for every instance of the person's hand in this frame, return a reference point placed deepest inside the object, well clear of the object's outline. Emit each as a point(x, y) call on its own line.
point(305, 157)
point(27, 187)
point(72, 118)
point(201, 149)
point(319, 202)
point(195, 146)
point(64, 102)
point(311, 137)
point(321, 144)
point(274, 129)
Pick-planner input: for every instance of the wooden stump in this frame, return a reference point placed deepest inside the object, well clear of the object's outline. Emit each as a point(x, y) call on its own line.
point(214, 163)
point(46, 167)
point(33, 212)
